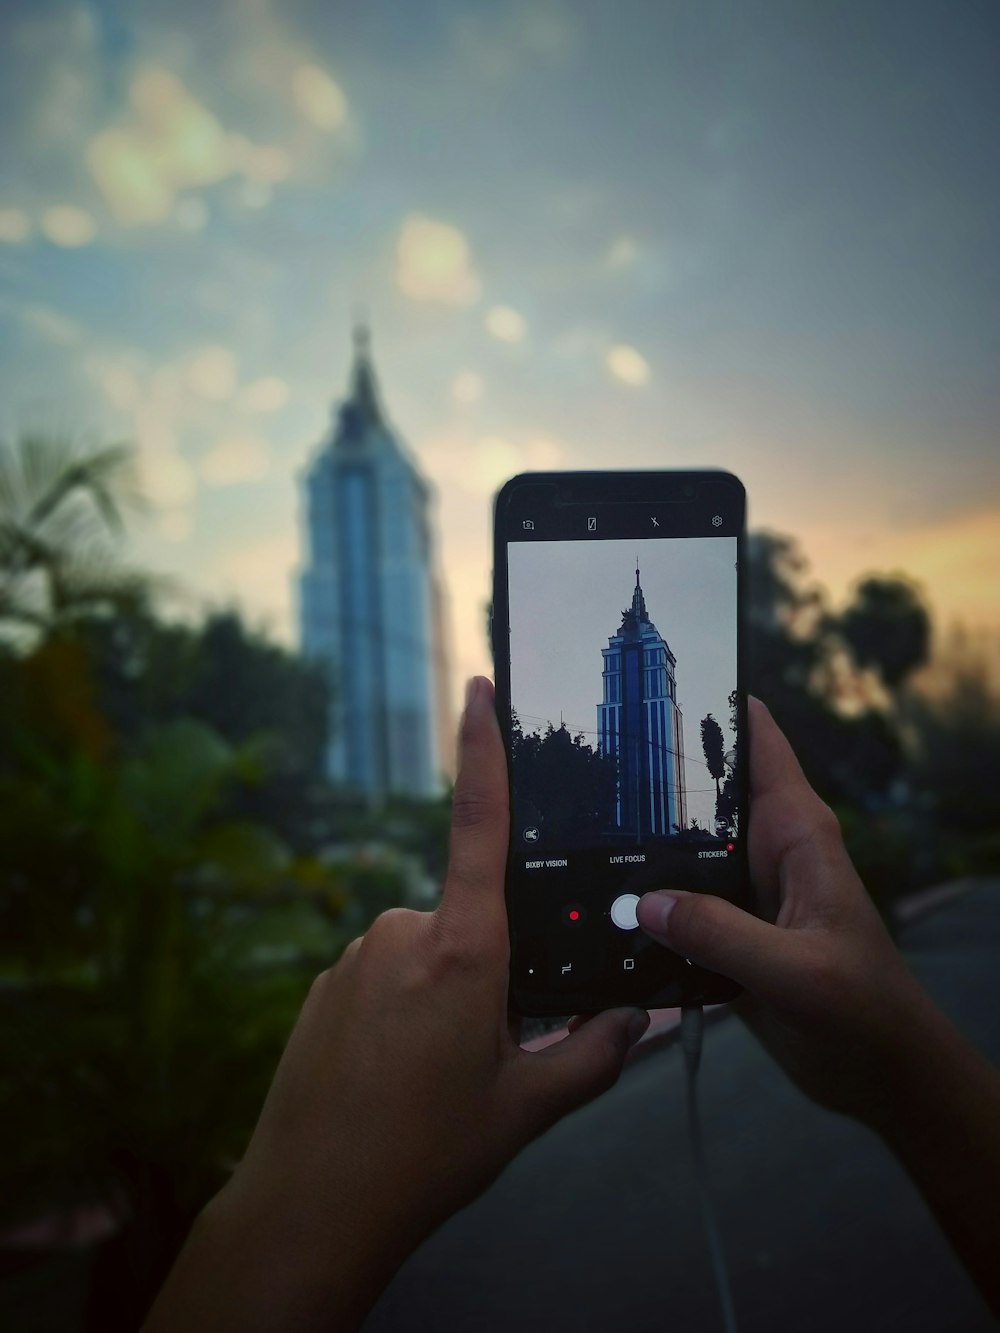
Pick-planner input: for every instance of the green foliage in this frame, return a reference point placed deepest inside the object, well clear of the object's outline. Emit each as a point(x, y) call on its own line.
point(252, 693)
point(147, 1003)
point(162, 910)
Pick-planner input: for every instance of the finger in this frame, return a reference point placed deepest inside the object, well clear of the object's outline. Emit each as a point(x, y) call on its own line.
point(773, 765)
point(473, 888)
point(792, 831)
point(577, 1021)
point(586, 1063)
point(720, 936)
point(514, 1022)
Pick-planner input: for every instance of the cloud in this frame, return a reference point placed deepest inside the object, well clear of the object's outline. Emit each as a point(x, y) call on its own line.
point(477, 467)
point(68, 226)
point(267, 394)
point(506, 324)
point(627, 365)
point(496, 43)
point(212, 373)
point(490, 462)
point(258, 574)
point(467, 387)
point(118, 379)
point(241, 458)
point(172, 143)
point(544, 455)
point(52, 325)
point(191, 214)
point(954, 559)
point(320, 99)
point(175, 525)
point(166, 479)
point(256, 195)
point(622, 252)
point(433, 263)
point(15, 226)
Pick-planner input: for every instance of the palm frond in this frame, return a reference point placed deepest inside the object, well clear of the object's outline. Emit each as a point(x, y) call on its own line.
point(61, 513)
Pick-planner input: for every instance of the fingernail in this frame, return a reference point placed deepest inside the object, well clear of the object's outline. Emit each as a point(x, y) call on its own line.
point(471, 689)
point(637, 1025)
point(660, 907)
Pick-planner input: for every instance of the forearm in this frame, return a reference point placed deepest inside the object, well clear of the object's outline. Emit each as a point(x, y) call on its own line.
point(943, 1125)
point(246, 1272)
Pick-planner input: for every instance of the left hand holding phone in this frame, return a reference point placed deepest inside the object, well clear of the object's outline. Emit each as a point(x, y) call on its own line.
point(401, 1095)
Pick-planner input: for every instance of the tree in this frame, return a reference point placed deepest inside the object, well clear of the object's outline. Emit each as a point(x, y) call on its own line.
point(793, 641)
point(887, 627)
point(714, 746)
point(562, 783)
point(253, 693)
point(155, 944)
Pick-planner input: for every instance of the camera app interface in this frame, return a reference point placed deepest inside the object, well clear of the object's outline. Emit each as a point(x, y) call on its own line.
point(623, 694)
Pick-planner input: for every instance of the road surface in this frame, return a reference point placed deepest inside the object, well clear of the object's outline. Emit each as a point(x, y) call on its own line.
point(596, 1226)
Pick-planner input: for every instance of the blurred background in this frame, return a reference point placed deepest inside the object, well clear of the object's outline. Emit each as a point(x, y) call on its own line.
point(286, 292)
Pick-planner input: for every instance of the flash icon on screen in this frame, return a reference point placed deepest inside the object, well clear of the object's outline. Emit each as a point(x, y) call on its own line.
point(591, 524)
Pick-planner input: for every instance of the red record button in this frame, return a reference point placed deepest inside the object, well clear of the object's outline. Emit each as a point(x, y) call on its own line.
point(573, 914)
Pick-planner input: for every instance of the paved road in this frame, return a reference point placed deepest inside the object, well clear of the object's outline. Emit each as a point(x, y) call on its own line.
point(595, 1227)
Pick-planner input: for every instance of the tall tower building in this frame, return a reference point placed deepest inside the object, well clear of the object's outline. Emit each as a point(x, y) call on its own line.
point(371, 600)
point(640, 723)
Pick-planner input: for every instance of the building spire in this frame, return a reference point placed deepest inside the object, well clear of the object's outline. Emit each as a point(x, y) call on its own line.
point(638, 601)
point(363, 394)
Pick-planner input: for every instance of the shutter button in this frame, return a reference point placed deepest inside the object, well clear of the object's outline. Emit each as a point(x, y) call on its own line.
point(623, 911)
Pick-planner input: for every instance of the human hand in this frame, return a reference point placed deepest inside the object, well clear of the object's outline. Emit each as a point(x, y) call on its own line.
point(826, 991)
point(401, 1095)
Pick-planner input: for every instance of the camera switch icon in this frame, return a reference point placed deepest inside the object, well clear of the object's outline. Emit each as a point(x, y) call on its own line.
point(628, 964)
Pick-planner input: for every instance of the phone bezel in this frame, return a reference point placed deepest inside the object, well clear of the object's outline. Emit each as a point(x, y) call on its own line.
point(658, 486)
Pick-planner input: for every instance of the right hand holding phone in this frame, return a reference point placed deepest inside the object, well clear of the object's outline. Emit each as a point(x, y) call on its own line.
point(826, 991)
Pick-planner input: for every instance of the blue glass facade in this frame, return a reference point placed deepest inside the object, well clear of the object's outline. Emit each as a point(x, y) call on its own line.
point(639, 722)
point(370, 602)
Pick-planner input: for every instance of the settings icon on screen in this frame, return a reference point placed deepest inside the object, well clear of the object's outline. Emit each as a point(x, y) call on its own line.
point(717, 521)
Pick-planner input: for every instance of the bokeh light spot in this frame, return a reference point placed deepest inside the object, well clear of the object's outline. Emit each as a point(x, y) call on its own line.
point(505, 323)
point(628, 365)
point(236, 460)
point(433, 263)
point(68, 226)
point(319, 98)
point(267, 394)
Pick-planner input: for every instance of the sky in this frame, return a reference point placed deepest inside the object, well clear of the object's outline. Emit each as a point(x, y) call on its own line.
point(755, 235)
point(566, 600)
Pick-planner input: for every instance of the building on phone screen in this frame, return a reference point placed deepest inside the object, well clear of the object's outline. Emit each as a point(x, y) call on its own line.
point(371, 600)
point(639, 723)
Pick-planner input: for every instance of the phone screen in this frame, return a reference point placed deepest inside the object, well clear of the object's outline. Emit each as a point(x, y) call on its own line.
point(620, 695)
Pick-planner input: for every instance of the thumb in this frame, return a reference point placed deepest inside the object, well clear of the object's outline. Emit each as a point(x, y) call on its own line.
point(721, 937)
point(586, 1063)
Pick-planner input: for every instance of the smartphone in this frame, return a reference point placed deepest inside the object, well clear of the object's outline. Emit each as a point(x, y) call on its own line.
point(617, 643)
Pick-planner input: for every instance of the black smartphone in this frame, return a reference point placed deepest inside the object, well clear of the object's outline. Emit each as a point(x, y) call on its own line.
point(617, 646)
